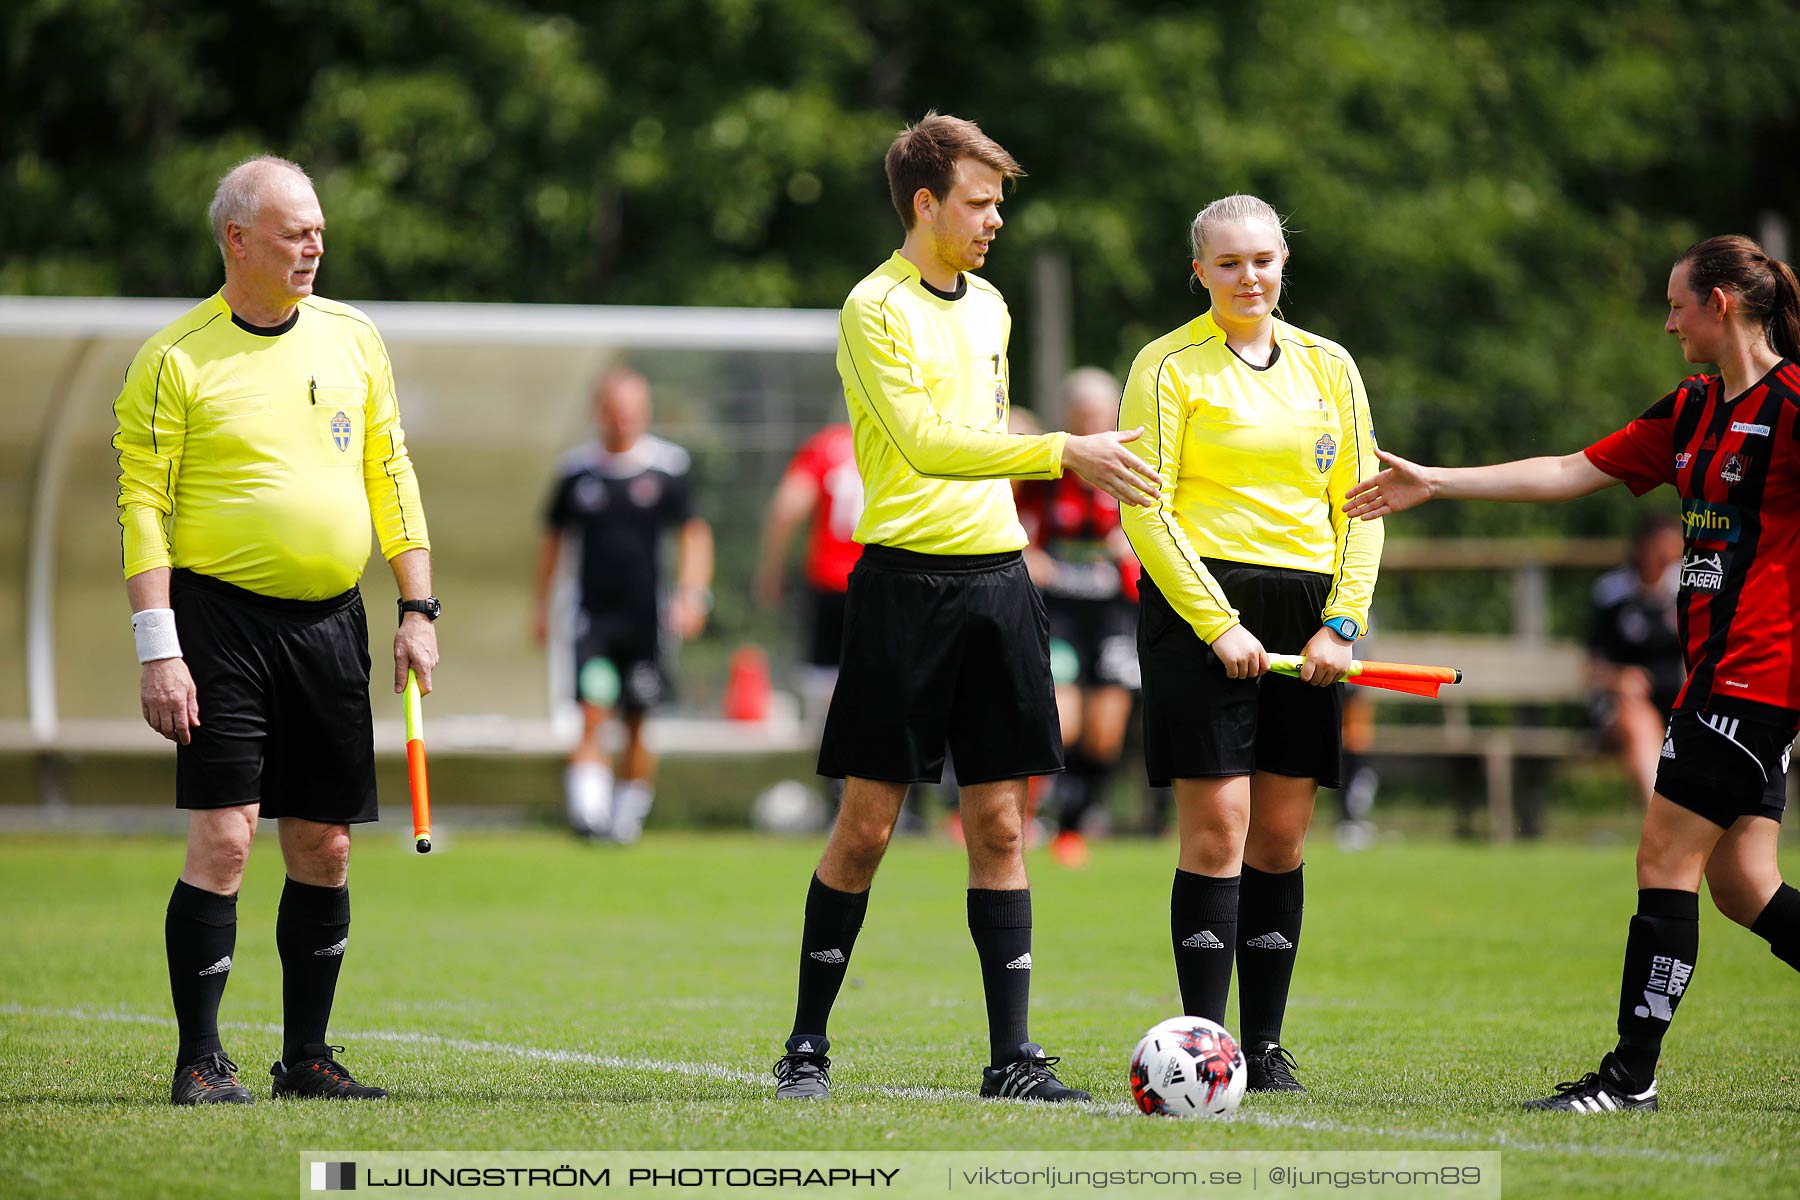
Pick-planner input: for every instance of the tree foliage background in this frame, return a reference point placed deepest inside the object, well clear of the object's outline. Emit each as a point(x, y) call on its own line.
point(1485, 197)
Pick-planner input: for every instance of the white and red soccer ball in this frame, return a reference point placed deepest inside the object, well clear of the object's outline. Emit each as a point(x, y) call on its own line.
point(1188, 1067)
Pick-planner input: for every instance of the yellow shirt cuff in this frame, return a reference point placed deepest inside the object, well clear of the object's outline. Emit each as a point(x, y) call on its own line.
point(1217, 629)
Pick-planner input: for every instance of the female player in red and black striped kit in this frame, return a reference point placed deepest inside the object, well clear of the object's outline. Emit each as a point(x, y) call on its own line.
point(1730, 445)
point(1083, 565)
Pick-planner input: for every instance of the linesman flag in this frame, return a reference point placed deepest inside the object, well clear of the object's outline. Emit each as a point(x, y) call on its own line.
point(1412, 678)
point(415, 765)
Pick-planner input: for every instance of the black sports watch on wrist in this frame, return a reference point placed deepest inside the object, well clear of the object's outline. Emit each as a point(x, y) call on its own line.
point(429, 606)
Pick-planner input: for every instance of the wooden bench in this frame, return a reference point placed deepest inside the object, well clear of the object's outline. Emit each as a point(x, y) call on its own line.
point(1525, 670)
point(1496, 671)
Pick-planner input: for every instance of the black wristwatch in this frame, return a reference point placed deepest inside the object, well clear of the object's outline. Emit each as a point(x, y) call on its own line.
point(429, 606)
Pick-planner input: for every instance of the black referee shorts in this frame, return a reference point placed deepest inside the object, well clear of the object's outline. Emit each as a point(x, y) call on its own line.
point(284, 703)
point(1199, 723)
point(825, 627)
point(942, 649)
point(1724, 766)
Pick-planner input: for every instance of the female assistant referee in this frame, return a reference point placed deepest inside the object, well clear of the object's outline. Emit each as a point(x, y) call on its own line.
point(1264, 428)
point(1727, 443)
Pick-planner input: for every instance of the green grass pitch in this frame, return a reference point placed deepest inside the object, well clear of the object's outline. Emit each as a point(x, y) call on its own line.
point(519, 991)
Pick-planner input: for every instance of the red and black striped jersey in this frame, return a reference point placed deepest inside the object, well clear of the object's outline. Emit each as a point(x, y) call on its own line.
point(1736, 464)
point(1066, 512)
point(1074, 522)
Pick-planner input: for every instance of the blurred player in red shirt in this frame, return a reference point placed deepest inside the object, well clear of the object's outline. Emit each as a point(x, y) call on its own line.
point(821, 483)
point(1080, 560)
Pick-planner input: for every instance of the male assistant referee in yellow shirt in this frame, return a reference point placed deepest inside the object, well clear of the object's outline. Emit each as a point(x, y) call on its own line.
point(257, 436)
point(945, 641)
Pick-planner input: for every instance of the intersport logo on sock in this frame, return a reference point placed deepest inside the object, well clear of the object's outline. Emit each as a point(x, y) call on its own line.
point(1668, 979)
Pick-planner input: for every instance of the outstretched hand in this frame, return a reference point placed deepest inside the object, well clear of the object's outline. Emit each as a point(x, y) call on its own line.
point(1103, 460)
point(1402, 486)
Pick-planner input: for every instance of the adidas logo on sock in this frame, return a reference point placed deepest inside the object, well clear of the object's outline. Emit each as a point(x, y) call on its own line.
point(336, 951)
point(1668, 750)
point(220, 967)
point(1204, 940)
point(832, 956)
point(1270, 941)
point(803, 1048)
point(1021, 963)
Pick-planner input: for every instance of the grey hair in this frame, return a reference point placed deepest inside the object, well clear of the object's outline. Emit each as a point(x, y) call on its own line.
point(1082, 382)
point(1084, 379)
point(1233, 210)
point(239, 195)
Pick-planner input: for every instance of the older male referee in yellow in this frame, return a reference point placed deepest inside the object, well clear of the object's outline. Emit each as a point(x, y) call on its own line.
point(257, 437)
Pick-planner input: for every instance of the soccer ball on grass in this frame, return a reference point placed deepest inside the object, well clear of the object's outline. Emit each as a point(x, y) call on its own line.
point(1188, 1067)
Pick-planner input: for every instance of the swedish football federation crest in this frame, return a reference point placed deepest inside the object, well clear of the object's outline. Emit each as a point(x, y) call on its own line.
point(340, 431)
point(1325, 453)
point(1000, 402)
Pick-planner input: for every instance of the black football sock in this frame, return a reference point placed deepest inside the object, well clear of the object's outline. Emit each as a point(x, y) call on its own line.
point(1659, 959)
point(1779, 925)
point(1073, 793)
point(312, 932)
point(1099, 782)
point(1000, 923)
point(199, 934)
point(832, 921)
point(1203, 924)
point(1095, 780)
point(1269, 911)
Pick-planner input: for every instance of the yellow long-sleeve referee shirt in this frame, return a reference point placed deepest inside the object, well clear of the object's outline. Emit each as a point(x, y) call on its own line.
point(925, 378)
point(265, 452)
point(1261, 459)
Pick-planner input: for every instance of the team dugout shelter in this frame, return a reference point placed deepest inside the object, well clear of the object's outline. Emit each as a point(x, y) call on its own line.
point(491, 395)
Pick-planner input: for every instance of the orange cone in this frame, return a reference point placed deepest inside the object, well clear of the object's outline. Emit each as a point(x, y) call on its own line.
point(747, 685)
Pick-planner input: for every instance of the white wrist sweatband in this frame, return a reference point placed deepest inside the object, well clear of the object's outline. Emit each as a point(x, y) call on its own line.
point(154, 631)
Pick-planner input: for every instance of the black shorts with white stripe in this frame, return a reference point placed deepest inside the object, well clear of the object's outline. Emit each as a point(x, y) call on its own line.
point(1725, 766)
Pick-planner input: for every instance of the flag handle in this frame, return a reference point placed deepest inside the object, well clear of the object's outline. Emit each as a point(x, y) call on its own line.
point(415, 765)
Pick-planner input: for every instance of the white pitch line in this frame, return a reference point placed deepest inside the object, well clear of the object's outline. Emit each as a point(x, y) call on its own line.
point(505, 1049)
point(1498, 1141)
